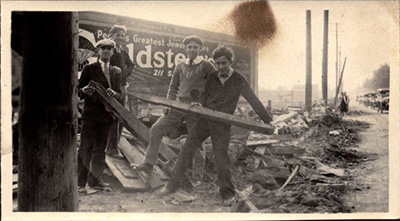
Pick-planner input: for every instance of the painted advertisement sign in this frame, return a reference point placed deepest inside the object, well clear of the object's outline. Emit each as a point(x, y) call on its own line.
point(156, 54)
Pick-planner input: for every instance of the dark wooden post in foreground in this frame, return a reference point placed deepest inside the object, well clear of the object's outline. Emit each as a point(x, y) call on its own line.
point(48, 114)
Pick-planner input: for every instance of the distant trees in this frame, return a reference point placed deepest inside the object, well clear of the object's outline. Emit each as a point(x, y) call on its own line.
point(381, 78)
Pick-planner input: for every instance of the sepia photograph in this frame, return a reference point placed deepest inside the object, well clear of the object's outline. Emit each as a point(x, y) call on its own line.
point(200, 110)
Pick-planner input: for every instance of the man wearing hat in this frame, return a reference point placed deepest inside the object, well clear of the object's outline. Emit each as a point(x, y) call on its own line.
point(96, 121)
point(187, 85)
point(120, 59)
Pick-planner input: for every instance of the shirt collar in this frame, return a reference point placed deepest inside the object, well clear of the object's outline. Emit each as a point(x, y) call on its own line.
point(223, 80)
point(103, 63)
point(197, 60)
point(118, 48)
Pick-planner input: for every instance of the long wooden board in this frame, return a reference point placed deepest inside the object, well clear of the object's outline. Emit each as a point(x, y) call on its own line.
point(127, 183)
point(134, 156)
point(205, 112)
point(131, 123)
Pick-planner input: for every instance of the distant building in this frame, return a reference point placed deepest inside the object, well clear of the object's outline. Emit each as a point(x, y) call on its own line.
point(285, 98)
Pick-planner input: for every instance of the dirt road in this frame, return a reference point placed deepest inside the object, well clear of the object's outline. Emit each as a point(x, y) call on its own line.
point(371, 176)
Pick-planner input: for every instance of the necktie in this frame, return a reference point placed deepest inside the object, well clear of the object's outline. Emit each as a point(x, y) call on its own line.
point(190, 62)
point(107, 73)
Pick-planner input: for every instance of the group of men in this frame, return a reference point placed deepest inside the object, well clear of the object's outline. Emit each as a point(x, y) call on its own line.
point(195, 81)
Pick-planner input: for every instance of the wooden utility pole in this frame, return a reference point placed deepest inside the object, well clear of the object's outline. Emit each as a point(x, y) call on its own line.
point(340, 82)
point(308, 62)
point(48, 115)
point(325, 58)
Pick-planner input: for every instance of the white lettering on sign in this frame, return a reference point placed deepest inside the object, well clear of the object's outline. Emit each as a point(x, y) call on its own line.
point(169, 60)
point(148, 41)
point(147, 55)
point(145, 59)
point(159, 61)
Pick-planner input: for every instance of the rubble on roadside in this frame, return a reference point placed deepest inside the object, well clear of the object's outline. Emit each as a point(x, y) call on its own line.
point(299, 168)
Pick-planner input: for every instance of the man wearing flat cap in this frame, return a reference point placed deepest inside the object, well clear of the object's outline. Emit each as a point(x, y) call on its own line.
point(187, 85)
point(96, 121)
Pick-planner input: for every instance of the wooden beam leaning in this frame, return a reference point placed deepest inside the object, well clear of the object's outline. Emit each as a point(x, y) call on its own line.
point(205, 112)
point(134, 125)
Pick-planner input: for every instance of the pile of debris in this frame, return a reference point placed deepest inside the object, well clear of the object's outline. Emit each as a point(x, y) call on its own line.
point(292, 175)
point(297, 169)
point(358, 113)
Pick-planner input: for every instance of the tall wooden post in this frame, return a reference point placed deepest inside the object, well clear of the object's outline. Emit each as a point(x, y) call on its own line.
point(325, 58)
point(269, 107)
point(48, 114)
point(308, 62)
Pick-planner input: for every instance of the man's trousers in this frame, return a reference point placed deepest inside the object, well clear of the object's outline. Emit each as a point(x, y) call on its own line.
point(220, 136)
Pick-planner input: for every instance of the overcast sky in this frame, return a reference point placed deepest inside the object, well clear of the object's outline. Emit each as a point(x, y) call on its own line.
point(364, 35)
point(365, 29)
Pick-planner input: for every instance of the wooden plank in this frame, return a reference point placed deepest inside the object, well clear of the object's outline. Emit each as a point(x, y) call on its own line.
point(282, 137)
point(205, 112)
point(124, 168)
point(127, 183)
point(261, 142)
point(244, 196)
point(284, 150)
point(158, 171)
point(129, 121)
point(135, 157)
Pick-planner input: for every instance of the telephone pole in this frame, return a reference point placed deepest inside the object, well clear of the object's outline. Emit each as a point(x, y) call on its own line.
point(325, 58)
point(308, 62)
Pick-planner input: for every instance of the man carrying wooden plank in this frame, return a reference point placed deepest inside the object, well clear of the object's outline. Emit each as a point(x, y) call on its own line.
point(187, 84)
point(222, 91)
point(96, 121)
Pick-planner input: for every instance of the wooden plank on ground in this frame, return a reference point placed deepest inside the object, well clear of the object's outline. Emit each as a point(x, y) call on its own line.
point(261, 142)
point(127, 183)
point(124, 168)
point(283, 150)
point(158, 171)
point(205, 112)
point(135, 157)
point(282, 137)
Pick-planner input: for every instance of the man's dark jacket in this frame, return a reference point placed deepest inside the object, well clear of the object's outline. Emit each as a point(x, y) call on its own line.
point(94, 109)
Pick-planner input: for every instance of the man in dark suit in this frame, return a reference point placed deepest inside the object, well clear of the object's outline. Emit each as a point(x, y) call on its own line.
point(120, 59)
point(96, 121)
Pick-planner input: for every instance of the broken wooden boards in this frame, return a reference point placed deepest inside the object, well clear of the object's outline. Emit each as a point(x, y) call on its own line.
point(136, 127)
point(135, 157)
point(132, 124)
point(205, 112)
